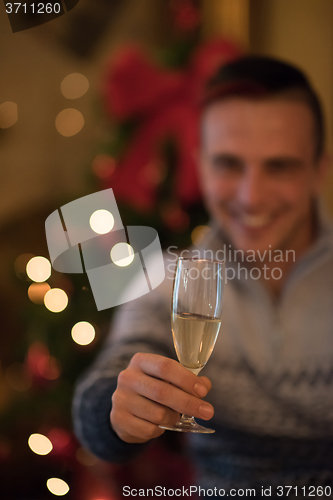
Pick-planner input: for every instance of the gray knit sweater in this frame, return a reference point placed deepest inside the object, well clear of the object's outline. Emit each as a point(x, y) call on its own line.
point(271, 373)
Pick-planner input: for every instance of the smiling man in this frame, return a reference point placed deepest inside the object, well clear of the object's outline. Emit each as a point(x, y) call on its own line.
point(269, 379)
point(263, 164)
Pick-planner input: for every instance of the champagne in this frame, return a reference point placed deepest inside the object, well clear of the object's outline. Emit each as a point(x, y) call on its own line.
point(194, 337)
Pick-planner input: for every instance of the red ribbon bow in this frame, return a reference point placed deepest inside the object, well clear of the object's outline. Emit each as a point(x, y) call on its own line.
point(166, 103)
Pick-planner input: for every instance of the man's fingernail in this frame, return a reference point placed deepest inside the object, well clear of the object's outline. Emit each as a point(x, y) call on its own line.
point(206, 411)
point(200, 389)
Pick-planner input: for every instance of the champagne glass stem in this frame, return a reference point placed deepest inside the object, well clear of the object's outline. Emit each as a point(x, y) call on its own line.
point(187, 419)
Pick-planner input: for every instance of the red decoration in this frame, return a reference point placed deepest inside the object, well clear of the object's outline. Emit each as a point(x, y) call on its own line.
point(167, 104)
point(62, 442)
point(103, 166)
point(41, 365)
point(186, 16)
point(175, 218)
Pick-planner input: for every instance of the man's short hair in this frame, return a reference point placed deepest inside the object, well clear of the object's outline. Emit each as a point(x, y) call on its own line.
point(260, 77)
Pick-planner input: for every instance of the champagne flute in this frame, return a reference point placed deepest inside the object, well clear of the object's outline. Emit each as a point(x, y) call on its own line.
point(195, 320)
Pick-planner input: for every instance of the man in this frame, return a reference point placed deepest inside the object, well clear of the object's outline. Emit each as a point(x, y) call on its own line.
point(270, 377)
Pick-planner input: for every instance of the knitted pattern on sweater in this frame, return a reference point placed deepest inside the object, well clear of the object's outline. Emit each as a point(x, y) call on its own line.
point(271, 373)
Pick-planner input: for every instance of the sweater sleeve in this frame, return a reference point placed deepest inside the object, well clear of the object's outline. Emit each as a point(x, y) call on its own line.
point(142, 325)
point(91, 412)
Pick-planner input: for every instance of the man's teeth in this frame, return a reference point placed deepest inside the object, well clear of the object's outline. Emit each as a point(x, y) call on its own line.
point(255, 220)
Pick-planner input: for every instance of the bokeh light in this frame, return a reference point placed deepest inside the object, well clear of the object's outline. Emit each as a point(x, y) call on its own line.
point(155, 172)
point(39, 444)
point(41, 364)
point(37, 291)
point(83, 333)
point(101, 221)
point(198, 234)
point(60, 439)
point(74, 86)
point(122, 254)
point(57, 486)
point(174, 217)
point(56, 300)
point(20, 265)
point(38, 269)
point(103, 166)
point(50, 370)
point(8, 114)
point(69, 122)
point(85, 457)
point(6, 448)
point(18, 377)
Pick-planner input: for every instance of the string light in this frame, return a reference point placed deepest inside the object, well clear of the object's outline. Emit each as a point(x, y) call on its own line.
point(175, 217)
point(57, 486)
point(103, 166)
point(8, 114)
point(56, 300)
point(41, 364)
point(39, 444)
point(101, 221)
point(37, 291)
point(122, 254)
point(83, 333)
point(155, 172)
point(20, 265)
point(198, 234)
point(38, 269)
point(69, 122)
point(18, 377)
point(74, 86)
point(85, 457)
point(5, 448)
point(51, 369)
point(60, 439)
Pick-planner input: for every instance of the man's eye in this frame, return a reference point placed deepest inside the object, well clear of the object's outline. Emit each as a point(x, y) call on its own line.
point(278, 167)
point(282, 167)
point(227, 166)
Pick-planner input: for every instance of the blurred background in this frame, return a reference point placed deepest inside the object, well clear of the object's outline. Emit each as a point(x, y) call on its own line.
point(106, 96)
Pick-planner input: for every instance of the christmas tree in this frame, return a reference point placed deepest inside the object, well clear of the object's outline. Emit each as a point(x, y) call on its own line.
point(152, 102)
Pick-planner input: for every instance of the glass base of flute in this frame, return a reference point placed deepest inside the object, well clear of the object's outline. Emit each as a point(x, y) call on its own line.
point(187, 424)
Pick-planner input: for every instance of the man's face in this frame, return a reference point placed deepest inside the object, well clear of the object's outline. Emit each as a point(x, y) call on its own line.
point(259, 175)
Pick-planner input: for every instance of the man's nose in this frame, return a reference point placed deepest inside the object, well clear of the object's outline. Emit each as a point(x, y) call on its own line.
point(252, 190)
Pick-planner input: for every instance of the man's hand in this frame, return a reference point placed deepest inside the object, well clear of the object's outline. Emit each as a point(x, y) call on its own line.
point(154, 390)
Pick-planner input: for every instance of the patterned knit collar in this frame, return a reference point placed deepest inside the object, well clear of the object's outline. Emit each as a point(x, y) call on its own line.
point(217, 239)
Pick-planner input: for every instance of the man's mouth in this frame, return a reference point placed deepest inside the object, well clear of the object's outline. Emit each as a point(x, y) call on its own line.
point(254, 221)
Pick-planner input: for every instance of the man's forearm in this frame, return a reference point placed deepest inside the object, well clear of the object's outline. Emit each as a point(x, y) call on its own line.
point(91, 413)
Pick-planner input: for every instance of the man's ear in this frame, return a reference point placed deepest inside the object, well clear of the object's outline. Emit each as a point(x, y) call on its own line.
point(323, 167)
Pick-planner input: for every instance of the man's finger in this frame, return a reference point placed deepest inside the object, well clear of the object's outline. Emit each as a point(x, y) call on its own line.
point(137, 429)
point(206, 381)
point(171, 371)
point(151, 411)
point(168, 395)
